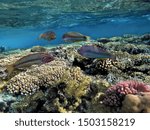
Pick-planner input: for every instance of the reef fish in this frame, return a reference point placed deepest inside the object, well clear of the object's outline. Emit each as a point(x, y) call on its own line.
point(29, 60)
point(75, 37)
point(49, 35)
point(93, 51)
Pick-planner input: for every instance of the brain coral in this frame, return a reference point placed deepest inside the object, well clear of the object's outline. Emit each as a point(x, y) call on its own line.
point(116, 93)
point(48, 75)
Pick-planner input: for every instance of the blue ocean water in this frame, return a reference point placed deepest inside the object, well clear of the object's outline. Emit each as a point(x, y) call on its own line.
point(90, 24)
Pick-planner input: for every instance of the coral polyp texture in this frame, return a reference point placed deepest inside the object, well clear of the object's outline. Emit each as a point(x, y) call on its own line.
point(136, 103)
point(47, 75)
point(116, 93)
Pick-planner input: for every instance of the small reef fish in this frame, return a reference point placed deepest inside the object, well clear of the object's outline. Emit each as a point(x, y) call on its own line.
point(49, 35)
point(29, 60)
point(75, 37)
point(94, 52)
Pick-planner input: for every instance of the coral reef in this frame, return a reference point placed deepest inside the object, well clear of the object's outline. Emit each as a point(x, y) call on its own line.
point(5, 101)
point(72, 83)
point(3, 73)
point(115, 94)
point(136, 103)
point(38, 49)
point(132, 39)
point(28, 103)
point(28, 82)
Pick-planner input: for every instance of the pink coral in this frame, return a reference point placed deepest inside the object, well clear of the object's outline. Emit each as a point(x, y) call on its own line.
point(115, 94)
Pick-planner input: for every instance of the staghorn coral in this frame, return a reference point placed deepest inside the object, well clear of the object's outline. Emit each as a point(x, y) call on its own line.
point(116, 93)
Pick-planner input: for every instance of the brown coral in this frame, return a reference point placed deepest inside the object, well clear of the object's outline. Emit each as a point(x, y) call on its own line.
point(116, 93)
point(34, 79)
point(136, 103)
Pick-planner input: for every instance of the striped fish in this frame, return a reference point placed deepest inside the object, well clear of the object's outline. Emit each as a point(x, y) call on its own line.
point(29, 60)
point(75, 37)
point(94, 52)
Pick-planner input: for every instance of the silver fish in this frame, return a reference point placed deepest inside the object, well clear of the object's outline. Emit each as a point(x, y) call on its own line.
point(31, 59)
point(93, 51)
point(75, 37)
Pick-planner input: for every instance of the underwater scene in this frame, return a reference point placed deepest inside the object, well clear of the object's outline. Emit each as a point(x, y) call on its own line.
point(74, 56)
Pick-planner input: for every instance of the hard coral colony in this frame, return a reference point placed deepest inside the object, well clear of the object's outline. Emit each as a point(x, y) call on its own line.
point(47, 75)
point(65, 78)
point(116, 93)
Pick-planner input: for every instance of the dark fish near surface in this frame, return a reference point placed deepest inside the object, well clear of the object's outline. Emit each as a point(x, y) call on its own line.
point(75, 37)
point(93, 51)
point(49, 35)
point(29, 60)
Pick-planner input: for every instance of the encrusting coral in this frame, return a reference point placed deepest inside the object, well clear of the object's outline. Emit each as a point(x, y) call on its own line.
point(136, 103)
point(116, 93)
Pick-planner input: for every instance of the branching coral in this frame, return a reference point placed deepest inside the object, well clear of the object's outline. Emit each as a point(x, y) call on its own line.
point(115, 94)
point(34, 79)
point(102, 66)
point(63, 86)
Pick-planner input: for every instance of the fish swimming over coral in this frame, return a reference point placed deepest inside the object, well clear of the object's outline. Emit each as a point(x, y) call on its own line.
point(75, 37)
point(29, 60)
point(49, 36)
point(93, 51)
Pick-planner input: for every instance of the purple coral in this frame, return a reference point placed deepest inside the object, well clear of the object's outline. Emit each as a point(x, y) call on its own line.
point(116, 93)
